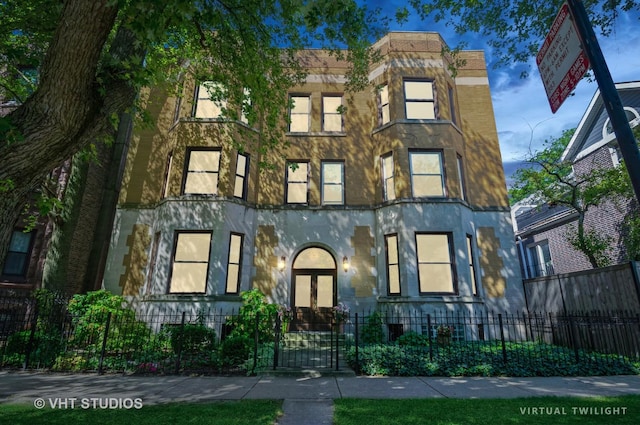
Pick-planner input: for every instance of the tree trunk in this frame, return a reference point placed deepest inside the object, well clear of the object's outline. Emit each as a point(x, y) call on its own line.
point(582, 244)
point(72, 106)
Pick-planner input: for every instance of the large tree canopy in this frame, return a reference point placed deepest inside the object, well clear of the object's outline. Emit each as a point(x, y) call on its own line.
point(73, 67)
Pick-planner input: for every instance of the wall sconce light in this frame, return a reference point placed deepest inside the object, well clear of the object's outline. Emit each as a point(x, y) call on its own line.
point(345, 264)
point(281, 263)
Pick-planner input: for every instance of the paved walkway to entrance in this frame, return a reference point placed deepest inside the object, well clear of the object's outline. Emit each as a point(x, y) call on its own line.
point(305, 396)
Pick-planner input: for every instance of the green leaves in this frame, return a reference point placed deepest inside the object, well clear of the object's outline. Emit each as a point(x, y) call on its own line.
point(515, 29)
point(544, 173)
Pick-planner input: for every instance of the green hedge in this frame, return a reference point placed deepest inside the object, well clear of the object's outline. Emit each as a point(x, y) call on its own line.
point(485, 359)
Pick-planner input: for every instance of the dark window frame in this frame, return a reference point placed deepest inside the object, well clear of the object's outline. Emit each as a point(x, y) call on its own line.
point(173, 257)
point(381, 106)
point(324, 113)
point(432, 101)
point(461, 176)
point(389, 264)
point(186, 171)
point(245, 176)
point(309, 111)
point(27, 255)
point(385, 195)
point(443, 176)
point(287, 182)
point(475, 289)
point(239, 264)
point(454, 274)
point(342, 181)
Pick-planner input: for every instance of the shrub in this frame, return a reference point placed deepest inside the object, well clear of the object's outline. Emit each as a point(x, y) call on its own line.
point(235, 350)
point(255, 307)
point(47, 338)
point(192, 338)
point(413, 339)
point(486, 359)
point(372, 330)
point(89, 315)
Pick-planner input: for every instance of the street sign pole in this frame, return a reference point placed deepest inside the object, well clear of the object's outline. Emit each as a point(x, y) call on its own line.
point(610, 96)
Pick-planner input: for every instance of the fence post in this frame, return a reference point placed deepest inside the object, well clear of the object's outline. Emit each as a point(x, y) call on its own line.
point(504, 347)
point(32, 336)
point(103, 350)
point(276, 346)
point(357, 347)
point(179, 347)
point(429, 334)
point(255, 345)
point(574, 337)
point(337, 345)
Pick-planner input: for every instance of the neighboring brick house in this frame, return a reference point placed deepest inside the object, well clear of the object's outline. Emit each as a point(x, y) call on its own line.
point(541, 231)
point(398, 202)
point(61, 251)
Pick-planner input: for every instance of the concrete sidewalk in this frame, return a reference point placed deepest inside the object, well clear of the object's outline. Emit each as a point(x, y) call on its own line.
point(21, 387)
point(305, 398)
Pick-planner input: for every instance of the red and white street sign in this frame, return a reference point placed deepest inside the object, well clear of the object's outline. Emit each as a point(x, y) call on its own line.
point(561, 60)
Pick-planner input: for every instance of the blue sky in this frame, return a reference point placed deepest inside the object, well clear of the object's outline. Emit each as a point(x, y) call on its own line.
point(523, 116)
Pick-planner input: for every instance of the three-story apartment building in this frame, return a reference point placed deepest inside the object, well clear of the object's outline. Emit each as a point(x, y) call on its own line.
point(389, 197)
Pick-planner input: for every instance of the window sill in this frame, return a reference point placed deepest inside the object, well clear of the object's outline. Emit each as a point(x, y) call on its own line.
point(190, 297)
point(317, 134)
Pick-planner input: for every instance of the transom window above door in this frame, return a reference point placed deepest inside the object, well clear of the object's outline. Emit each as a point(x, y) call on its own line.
point(314, 258)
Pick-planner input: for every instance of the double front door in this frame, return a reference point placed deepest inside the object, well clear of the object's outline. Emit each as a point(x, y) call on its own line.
point(313, 298)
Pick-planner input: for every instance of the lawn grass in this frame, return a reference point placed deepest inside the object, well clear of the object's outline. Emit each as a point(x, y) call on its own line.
point(245, 412)
point(445, 411)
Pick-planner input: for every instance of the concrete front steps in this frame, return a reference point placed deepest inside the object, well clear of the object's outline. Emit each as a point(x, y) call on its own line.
point(311, 353)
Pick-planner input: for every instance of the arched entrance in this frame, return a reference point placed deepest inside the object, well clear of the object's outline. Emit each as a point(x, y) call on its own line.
point(313, 289)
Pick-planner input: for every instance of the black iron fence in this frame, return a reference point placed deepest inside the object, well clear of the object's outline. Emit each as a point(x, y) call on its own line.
point(446, 343)
point(48, 337)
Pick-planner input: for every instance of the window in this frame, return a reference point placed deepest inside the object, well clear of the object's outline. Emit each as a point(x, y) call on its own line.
point(16, 262)
point(540, 260)
point(190, 262)
point(176, 111)
point(242, 170)
point(452, 106)
point(235, 263)
point(383, 105)
point(463, 189)
point(167, 172)
point(331, 113)
point(332, 182)
point(152, 262)
point(246, 106)
point(436, 272)
point(297, 183)
point(393, 269)
point(472, 266)
point(209, 100)
point(201, 175)
point(631, 114)
point(427, 177)
point(300, 114)
point(419, 100)
point(388, 181)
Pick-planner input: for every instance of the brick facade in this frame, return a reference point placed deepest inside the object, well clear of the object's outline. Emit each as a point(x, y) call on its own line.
point(276, 232)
